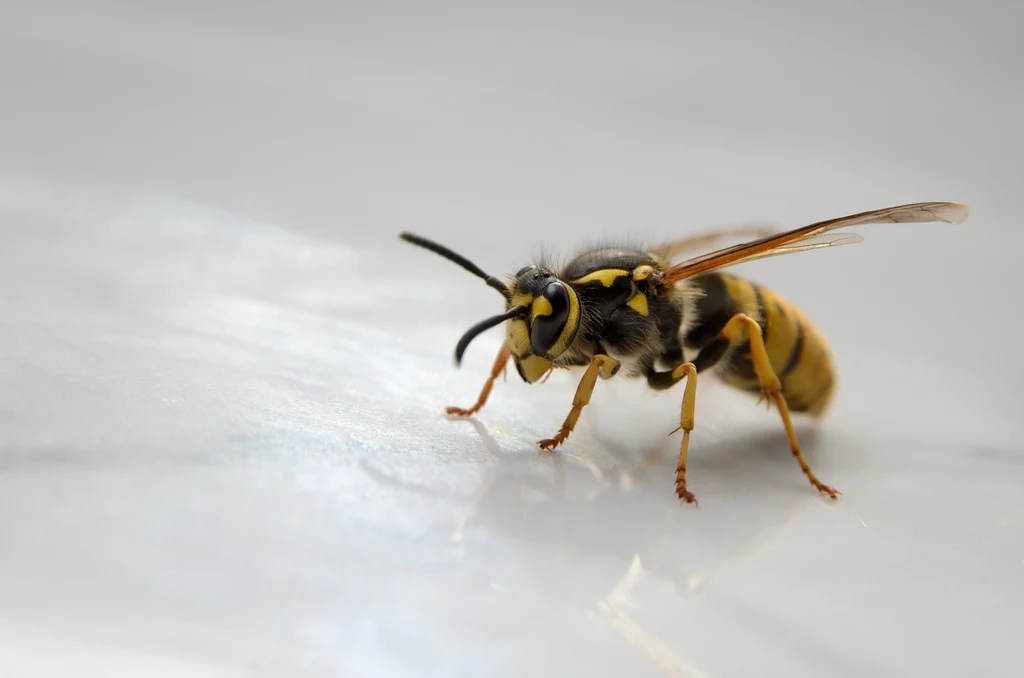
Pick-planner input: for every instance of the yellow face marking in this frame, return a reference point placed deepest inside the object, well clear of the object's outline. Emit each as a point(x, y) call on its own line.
point(607, 276)
point(541, 306)
point(534, 367)
point(639, 304)
point(518, 333)
point(643, 272)
point(517, 330)
point(522, 299)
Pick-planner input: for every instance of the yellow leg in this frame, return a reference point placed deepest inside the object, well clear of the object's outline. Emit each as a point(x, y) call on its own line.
point(741, 325)
point(500, 363)
point(688, 371)
point(604, 365)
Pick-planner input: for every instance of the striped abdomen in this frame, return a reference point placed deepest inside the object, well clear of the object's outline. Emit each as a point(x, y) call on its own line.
point(798, 352)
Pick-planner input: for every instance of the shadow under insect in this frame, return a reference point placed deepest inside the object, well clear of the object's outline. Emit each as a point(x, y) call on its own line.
point(572, 514)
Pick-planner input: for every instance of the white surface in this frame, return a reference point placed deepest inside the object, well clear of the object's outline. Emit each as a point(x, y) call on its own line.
point(221, 377)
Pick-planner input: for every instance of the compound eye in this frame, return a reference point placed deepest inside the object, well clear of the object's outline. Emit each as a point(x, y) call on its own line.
point(547, 328)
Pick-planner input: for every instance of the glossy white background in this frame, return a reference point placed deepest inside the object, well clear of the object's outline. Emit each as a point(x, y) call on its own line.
point(222, 378)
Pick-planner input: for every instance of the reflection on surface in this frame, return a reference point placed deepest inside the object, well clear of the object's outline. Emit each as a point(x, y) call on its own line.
point(217, 450)
point(555, 504)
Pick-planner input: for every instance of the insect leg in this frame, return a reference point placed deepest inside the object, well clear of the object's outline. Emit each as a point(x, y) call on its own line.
point(740, 326)
point(689, 372)
point(664, 380)
point(500, 364)
point(601, 364)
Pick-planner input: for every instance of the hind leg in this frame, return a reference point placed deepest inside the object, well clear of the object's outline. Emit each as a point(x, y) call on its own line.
point(740, 326)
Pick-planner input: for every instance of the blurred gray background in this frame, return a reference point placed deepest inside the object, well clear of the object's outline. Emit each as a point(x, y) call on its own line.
point(222, 378)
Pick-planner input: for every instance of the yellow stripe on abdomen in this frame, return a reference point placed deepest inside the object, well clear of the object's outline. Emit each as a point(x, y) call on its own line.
point(799, 355)
point(743, 295)
point(797, 350)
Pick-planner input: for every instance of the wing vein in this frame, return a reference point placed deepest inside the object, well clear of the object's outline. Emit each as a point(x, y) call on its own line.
point(814, 236)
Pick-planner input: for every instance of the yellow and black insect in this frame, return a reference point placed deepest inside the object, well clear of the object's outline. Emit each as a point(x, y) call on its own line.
point(631, 312)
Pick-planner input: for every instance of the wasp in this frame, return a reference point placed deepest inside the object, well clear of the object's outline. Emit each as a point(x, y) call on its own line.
point(632, 312)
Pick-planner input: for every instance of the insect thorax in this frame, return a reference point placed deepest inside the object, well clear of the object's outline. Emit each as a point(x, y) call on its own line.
point(620, 313)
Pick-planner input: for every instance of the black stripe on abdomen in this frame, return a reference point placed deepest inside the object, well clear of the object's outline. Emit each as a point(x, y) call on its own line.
point(798, 349)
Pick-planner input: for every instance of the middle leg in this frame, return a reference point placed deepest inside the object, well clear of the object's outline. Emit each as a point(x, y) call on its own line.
point(663, 380)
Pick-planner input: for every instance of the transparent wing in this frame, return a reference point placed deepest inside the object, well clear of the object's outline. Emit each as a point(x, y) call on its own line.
point(817, 242)
point(815, 237)
point(702, 242)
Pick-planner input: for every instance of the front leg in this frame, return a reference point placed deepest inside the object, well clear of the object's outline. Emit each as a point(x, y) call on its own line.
point(601, 364)
point(498, 369)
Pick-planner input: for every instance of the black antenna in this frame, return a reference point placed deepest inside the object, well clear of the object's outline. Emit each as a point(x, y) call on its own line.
point(458, 259)
point(483, 326)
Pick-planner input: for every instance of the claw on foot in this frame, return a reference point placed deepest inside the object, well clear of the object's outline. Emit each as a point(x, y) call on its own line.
point(687, 497)
point(459, 412)
point(830, 492)
point(549, 444)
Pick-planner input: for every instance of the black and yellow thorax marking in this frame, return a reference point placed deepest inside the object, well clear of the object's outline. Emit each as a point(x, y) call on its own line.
point(609, 288)
point(621, 309)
